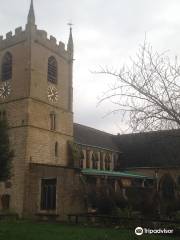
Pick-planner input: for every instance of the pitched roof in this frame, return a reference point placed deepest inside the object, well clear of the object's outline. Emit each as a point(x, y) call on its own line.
point(151, 149)
point(93, 137)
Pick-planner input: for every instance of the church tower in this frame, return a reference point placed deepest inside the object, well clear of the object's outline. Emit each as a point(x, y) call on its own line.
point(36, 97)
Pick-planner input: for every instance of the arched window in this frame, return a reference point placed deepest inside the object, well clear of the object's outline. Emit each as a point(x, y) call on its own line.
point(87, 158)
point(116, 160)
point(56, 149)
point(94, 161)
point(52, 121)
point(6, 70)
point(101, 160)
point(107, 162)
point(52, 70)
point(81, 159)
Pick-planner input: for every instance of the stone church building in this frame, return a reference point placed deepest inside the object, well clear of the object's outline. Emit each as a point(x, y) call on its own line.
point(53, 156)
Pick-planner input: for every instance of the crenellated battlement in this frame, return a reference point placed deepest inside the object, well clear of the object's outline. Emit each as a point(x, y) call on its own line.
point(18, 31)
point(11, 39)
point(40, 36)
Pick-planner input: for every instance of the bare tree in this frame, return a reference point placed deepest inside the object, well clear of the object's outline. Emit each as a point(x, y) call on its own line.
point(147, 93)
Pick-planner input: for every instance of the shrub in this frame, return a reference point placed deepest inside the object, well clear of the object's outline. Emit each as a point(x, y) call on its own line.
point(6, 154)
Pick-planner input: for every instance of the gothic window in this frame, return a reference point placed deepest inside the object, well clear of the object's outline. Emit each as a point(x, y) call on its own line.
point(6, 68)
point(88, 158)
point(94, 161)
point(116, 162)
point(53, 121)
point(81, 159)
point(52, 70)
point(101, 160)
point(48, 194)
point(107, 162)
point(56, 149)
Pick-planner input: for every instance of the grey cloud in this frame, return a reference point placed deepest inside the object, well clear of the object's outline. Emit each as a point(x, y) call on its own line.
point(105, 33)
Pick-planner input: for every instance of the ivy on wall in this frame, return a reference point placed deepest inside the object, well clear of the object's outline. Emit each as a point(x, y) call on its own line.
point(6, 154)
point(75, 153)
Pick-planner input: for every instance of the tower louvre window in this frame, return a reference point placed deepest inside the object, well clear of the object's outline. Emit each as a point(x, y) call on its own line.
point(52, 70)
point(6, 70)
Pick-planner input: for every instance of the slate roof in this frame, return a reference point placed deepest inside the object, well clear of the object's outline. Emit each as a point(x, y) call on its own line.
point(151, 149)
point(93, 137)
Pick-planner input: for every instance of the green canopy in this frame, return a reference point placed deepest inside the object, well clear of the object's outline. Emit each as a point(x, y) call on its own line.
point(89, 171)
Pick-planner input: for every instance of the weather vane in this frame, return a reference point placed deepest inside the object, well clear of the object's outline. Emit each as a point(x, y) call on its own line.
point(70, 24)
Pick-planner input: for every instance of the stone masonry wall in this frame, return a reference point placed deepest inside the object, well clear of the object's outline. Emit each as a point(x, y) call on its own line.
point(69, 195)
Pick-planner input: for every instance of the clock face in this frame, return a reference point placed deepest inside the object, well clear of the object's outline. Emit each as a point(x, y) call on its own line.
point(52, 94)
point(5, 90)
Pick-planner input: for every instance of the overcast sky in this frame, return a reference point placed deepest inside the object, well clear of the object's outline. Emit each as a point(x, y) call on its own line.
point(106, 33)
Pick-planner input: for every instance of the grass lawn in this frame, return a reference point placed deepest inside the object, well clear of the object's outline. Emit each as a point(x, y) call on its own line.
point(22, 230)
